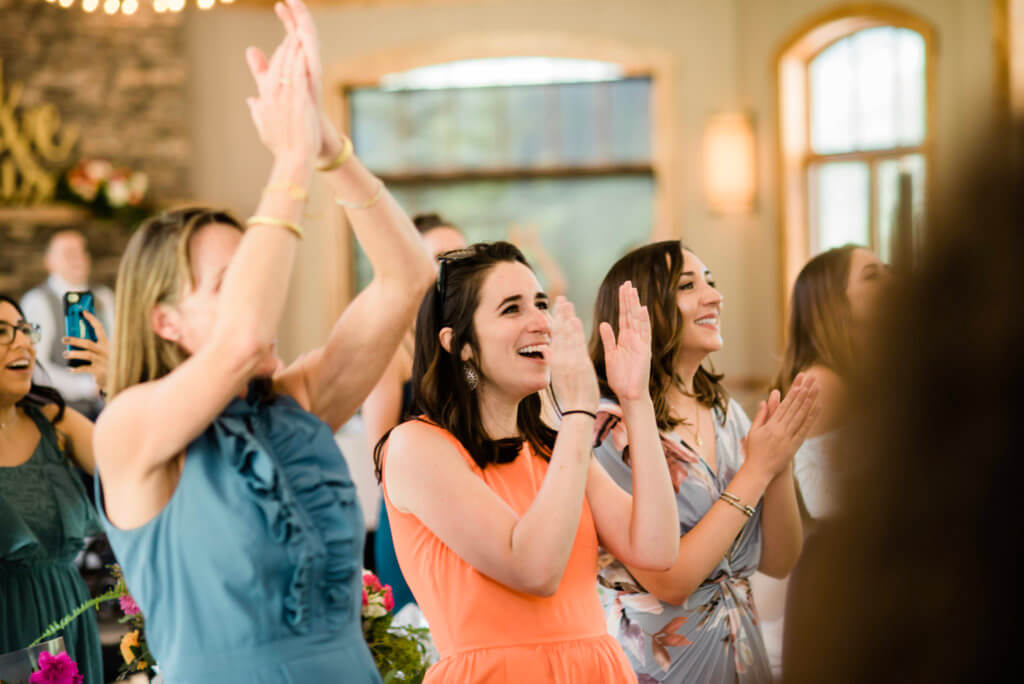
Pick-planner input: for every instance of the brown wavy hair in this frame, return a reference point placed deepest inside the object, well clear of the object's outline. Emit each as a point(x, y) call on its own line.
point(819, 318)
point(655, 270)
point(440, 391)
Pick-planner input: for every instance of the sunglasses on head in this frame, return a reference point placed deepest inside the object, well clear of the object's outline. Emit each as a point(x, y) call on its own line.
point(445, 262)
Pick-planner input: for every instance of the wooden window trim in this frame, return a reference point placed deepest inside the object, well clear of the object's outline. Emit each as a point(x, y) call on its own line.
point(792, 91)
point(366, 71)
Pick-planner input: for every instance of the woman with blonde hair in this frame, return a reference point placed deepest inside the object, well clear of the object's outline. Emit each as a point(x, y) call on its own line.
point(697, 622)
point(222, 490)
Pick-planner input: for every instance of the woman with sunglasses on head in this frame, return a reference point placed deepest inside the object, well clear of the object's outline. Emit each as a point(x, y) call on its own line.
point(733, 481)
point(496, 517)
point(226, 499)
point(45, 512)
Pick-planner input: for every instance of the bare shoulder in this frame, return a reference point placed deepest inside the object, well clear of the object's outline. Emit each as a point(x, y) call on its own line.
point(115, 432)
point(415, 440)
point(419, 454)
point(831, 397)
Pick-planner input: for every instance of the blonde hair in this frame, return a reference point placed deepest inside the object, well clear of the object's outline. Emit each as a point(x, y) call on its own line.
point(154, 270)
point(819, 318)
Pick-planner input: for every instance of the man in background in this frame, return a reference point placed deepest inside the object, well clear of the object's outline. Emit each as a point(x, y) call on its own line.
point(67, 261)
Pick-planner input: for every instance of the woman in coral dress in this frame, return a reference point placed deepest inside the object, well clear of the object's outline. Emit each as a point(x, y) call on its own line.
point(496, 517)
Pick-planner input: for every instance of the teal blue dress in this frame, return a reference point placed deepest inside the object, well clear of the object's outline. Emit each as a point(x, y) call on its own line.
point(251, 573)
point(45, 515)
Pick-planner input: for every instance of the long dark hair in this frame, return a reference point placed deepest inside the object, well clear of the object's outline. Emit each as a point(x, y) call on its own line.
point(38, 395)
point(819, 318)
point(655, 270)
point(440, 390)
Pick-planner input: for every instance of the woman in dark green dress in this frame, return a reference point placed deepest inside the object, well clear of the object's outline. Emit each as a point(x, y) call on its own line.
point(45, 513)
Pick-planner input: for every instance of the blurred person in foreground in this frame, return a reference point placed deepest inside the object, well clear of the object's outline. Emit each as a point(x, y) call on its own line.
point(913, 580)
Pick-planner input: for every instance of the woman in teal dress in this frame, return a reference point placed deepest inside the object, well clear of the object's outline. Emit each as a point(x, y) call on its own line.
point(45, 513)
point(222, 489)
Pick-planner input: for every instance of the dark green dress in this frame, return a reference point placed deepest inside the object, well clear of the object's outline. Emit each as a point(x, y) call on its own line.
point(45, 516)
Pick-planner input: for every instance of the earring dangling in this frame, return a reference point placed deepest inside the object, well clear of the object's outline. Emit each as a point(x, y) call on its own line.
point(472, 379)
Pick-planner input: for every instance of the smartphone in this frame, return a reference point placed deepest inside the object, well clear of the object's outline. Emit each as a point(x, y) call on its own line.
point(75, 324)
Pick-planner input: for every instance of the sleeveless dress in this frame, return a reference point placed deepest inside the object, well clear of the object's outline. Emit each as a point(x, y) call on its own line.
point(383, 547)
point(487, 632)
point(45, 515)
point(714, 636)
point(251, 574)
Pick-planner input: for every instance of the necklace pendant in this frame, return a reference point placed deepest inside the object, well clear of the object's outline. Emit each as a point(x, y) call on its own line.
point(700, 442)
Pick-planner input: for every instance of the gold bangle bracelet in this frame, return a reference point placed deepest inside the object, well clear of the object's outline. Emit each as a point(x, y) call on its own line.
point(296, 192)
point(368, 203)
point(271, 221)
point(343, 156)
point(734, 500)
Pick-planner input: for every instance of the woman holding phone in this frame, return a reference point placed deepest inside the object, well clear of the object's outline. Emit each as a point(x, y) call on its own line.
point(224, 494)
point(496, 517)
point(45, 511)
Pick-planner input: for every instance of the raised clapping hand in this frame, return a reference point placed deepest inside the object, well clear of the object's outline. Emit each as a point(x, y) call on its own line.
point(780, 428)
point(572, 373)
point(284, 113)
point(96, 353)
point(628, 359)
point(299, 24)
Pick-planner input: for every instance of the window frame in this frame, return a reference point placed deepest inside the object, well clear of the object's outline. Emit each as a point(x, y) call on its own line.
point(793, 107)
point(367, 70)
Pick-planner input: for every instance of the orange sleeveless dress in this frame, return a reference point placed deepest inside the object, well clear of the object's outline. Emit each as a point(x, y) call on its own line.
point(487, 632)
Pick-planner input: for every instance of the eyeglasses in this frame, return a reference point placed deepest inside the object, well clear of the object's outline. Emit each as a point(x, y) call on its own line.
point(8, 331)
point(444, 265)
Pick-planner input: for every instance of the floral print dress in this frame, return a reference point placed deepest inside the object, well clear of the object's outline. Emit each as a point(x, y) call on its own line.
point(714, 636)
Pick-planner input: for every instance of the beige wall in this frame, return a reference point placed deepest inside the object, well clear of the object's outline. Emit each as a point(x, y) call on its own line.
point(725, 53)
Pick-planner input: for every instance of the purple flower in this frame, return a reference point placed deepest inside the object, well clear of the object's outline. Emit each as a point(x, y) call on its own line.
point(128, 605)
point(56, 669)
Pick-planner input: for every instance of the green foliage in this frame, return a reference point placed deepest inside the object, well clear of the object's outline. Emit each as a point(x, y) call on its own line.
point(399, 652)
point(70, 617)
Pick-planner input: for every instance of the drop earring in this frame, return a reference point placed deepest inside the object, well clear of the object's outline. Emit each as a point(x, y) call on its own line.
point(472, 379)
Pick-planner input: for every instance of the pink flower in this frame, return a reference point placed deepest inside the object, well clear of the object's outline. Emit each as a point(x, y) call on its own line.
point(366, 599)
point(370, 580)
point(389, 600)
point(56, 669)
point(128, 605)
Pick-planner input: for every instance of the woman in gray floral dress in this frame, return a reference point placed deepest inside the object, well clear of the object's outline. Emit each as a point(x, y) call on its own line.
point(697, 622)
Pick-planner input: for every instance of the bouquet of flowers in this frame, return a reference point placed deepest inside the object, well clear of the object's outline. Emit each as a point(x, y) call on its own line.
point(134, 648)
point(107, 190)
point(56, 669)
point(400, 652)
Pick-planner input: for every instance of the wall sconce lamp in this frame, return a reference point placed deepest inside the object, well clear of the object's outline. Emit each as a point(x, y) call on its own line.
point(730, 172)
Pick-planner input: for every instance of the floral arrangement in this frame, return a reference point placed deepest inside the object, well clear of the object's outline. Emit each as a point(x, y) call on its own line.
point(105, 189)
point(399, 651)
point(56, 669)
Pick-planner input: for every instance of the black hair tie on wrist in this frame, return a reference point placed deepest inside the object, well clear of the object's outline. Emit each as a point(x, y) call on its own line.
point(586, 413)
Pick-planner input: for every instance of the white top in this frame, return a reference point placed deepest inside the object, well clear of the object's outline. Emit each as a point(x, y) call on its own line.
point(72, 386)
point(816, 476)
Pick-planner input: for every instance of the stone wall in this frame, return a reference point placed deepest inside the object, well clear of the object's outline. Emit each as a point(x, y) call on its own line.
point(122, 81)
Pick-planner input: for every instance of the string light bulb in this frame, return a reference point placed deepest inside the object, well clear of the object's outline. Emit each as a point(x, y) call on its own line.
point(129, 7)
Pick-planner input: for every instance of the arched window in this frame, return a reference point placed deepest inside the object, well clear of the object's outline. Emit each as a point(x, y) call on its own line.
point(854, 129)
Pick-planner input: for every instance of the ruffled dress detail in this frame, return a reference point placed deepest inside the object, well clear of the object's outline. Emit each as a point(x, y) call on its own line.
point(251, 573)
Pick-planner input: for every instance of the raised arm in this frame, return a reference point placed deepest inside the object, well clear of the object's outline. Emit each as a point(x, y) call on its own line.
point(773, 439)
point(332, 381)
point(148, 424)
point(641, 529)
point(426, 476)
